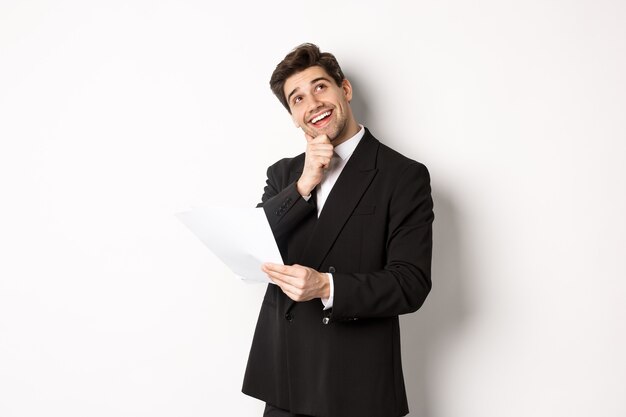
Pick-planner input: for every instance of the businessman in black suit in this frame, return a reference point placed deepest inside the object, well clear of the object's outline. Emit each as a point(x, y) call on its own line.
point(352, 219)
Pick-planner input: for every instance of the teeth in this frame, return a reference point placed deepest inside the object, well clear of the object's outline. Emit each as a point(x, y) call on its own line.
point(320, 117)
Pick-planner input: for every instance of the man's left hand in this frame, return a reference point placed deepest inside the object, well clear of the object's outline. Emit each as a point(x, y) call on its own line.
point(298, 282)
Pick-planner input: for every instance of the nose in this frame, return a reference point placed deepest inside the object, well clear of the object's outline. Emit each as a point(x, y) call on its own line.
point(313, 104)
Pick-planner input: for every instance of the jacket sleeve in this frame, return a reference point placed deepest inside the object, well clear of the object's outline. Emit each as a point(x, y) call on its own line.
point(284, 207)
point(404, 282)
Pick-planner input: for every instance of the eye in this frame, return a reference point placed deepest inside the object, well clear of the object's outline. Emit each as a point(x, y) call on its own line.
point(297, 99)
point(320, 87)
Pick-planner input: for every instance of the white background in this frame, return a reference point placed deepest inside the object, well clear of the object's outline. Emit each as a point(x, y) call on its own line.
point(115, 115)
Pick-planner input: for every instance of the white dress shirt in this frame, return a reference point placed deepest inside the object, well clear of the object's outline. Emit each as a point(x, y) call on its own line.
point(342, 154)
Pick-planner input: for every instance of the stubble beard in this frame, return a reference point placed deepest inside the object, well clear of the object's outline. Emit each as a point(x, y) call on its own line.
point(337, 127)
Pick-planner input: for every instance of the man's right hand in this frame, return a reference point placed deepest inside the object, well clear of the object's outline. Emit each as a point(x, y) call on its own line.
point(319, 152)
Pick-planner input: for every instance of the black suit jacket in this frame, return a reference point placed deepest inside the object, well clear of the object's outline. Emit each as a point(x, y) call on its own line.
point(374, 234)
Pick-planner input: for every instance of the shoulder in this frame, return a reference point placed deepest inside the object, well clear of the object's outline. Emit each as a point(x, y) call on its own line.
point(286, 165)
point(392, 161)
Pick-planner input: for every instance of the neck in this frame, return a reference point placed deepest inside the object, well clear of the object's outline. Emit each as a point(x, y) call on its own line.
point(351, 129)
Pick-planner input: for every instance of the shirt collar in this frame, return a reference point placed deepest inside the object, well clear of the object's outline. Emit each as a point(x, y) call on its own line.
point(345, 149)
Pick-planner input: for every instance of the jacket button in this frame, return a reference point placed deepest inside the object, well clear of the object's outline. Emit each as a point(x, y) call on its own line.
point(289, 317)
point(325, 320)
point(331, 269)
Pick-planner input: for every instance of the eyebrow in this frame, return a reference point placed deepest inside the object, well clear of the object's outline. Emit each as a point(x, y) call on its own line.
point(312, 82)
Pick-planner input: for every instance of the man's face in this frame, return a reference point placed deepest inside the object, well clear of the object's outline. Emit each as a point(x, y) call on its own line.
point(319, 106)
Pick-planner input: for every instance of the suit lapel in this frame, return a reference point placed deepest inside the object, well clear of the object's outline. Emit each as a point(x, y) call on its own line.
point(344, 197)
point(295, 173)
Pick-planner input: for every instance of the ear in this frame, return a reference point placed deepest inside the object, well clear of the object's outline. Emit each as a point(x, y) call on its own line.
point(347, 89)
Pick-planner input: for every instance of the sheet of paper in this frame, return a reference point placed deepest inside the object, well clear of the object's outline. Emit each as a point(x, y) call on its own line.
point(240, 237)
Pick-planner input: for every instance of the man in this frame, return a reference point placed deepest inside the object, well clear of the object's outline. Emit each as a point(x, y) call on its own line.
point(352, 219)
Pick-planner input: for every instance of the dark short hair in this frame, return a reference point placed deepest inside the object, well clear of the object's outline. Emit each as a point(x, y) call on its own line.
point(302, 57)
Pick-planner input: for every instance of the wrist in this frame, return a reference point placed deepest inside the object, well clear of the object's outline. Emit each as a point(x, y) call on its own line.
point(325, 290)
point(303, 189)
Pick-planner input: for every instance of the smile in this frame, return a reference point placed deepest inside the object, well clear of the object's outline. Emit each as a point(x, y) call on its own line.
point(321, 116)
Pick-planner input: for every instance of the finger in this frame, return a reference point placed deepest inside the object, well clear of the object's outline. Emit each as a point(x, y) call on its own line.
point(321, 158)
point(277, 276)
point(294, 284)
point(296, 296)
point(321, 139)
point(291, 291)
point(296, 271)
point(323, 162)
point(268, 266)
point(295, 293)
point(282, 272)
point(321, 147)
point(322, 153)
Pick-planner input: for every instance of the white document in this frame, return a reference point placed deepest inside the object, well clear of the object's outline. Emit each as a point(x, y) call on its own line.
point(240, 237)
